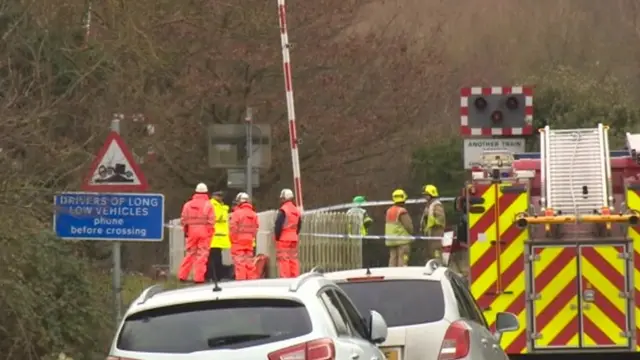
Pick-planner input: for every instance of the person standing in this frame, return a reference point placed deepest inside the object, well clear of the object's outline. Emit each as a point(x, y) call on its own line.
point(362, 220)
point(398, 224)
point(433, 222)
point(244, 228)
point(197, 220)
point(286, 232)
point(220, 239)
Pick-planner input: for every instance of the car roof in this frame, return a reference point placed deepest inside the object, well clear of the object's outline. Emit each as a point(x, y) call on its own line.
point(155, 297)
point(396, 273)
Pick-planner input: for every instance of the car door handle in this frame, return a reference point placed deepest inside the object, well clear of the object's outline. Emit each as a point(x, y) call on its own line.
point(355, 356)
point(496, 347)
point(484, 341)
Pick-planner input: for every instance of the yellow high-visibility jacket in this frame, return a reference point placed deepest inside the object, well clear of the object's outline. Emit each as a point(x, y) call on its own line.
point(221, 237)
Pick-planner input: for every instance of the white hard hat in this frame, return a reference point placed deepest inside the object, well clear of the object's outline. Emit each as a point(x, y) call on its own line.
point(242, 197)
point(286, 194)
point(202, 188)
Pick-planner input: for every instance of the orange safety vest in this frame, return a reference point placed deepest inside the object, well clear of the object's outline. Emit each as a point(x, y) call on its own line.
point(291, 221)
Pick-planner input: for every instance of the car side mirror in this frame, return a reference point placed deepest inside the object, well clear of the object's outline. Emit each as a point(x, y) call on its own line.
point(506, 322)
point(377, 327)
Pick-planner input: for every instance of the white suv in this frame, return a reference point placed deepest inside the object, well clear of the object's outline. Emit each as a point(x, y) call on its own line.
point(306, 318)
point(429, 310)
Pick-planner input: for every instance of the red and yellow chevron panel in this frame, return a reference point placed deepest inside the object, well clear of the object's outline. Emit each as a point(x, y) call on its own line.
point(604, 311)
point(482, 238)
point(497, 267)
point(578, 296)
point(633, 203)
point(555, 308)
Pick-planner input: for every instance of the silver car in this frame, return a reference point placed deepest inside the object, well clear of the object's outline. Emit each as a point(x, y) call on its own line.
point(430, 313)
point(307, 318)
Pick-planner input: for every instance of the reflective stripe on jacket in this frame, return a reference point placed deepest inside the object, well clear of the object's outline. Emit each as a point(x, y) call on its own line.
point(221, 237)
point(291, 221)
point(394, 227)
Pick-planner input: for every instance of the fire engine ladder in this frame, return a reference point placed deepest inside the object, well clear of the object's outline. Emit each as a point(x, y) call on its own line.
point(575, 170)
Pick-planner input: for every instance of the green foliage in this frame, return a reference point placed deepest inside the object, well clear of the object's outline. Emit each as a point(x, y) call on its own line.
point(50, 300)
point(566, 98)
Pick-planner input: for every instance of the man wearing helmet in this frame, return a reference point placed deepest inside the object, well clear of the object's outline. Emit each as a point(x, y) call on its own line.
point(362, 221)
point(286, 232)
point(433, 222)
point(197, 219)
point(243, 230)
point(398, 224)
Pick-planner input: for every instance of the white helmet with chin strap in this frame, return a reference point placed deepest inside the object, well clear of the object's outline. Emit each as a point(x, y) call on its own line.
point(286, 194)
point(242, 197)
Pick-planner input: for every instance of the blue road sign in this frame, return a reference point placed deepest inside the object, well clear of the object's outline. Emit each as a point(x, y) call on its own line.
point(109, 216)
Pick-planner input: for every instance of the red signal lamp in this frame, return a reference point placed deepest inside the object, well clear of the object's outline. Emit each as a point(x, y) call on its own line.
point(512, 103)
point(496, 117)
point(480, 103)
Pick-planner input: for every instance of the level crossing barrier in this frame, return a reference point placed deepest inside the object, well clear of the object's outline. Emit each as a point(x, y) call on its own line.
point(325, 238)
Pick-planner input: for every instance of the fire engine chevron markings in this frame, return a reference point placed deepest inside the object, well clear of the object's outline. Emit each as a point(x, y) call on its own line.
point(483, 262)
point(514, 303)
point(607, 309)
point(557, 292)
point(634, 234)
point(512, 280)
point(597, 336)
point(633, 202)
point(556, 285)
point(568, 335)
point(604, 278)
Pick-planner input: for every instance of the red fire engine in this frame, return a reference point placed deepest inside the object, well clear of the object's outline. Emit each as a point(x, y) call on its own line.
point(554, 239)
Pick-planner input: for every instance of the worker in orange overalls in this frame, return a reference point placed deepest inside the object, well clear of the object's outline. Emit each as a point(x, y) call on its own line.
point(287, 230)
point(197, 220)
point(243, 230)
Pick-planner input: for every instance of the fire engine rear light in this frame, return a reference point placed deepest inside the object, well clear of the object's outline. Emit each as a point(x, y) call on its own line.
point(365, 278)
point(512, 103)
point(456, 343)
point(321, 349)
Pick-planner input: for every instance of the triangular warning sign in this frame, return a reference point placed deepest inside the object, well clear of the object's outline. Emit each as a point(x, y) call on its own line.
point(114, 169)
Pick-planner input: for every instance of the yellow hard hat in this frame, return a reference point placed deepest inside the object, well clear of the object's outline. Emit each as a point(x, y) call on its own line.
point(430, 190)
point(398, 196)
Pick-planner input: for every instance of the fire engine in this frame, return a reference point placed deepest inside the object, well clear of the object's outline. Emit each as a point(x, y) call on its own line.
point(554, 239)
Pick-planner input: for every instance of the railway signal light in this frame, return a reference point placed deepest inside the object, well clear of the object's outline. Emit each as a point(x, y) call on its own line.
point(496, 111)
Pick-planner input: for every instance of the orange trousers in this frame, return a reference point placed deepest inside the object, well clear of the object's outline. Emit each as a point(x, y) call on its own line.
point(287, 258)
point(243, 265)
point(196, 257)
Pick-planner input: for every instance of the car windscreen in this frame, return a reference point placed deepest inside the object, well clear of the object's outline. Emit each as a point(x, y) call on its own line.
point(216, 324)
point(400, 302)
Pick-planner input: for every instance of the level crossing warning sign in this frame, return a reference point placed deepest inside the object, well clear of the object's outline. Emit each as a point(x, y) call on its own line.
point(474, 148)
point(114, 169)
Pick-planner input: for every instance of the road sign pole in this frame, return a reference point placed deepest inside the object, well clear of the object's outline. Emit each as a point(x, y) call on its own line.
point(249, 124)
point(116, 254)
